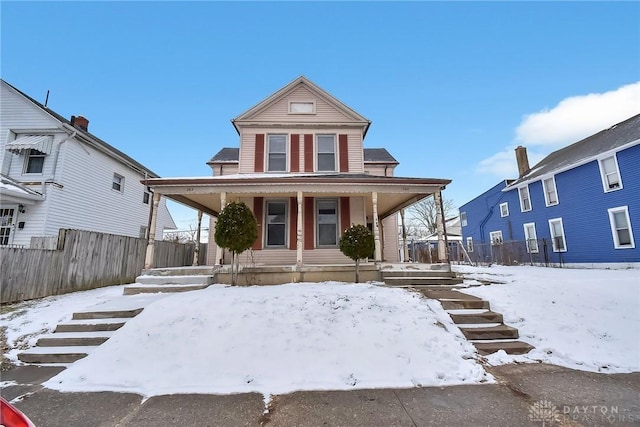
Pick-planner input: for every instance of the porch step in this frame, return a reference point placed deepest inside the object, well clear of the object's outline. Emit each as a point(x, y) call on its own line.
point(490, 333)
point(510, 347)
point(152, 289)
point(422, 280)
point(180, 271)
point(54, 354)
point(91, 325)
point(73, 339)
point(463, 303)
point(196, 279)
point(107, 314)
point(483, 317)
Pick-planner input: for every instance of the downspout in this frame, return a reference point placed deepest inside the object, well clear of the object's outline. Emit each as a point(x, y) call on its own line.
point(57, 153)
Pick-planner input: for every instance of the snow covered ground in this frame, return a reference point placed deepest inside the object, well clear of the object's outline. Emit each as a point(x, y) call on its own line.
point(584, 319)
point(278, 339)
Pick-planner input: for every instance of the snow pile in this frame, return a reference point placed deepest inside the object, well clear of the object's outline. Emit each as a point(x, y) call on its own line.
point(278, 339)
point(586, 319)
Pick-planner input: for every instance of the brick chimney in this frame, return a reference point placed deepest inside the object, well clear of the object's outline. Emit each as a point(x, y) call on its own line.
point(523, 161)
point(80, 122)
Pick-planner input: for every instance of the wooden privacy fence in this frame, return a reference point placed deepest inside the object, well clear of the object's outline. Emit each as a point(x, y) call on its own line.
point(83, 260)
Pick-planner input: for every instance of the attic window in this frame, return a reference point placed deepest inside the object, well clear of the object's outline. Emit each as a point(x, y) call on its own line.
point(302, 107)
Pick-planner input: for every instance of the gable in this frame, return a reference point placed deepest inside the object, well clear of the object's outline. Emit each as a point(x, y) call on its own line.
point(319, 108)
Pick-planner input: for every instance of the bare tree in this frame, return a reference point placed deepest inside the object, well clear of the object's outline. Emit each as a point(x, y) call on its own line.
point(423, 214)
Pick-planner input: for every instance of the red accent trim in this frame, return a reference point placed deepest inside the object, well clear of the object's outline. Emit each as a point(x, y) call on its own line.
point(345, 214)
point(259, 159)
point(293, 223)
point(295, 152)
point(344, 153)
point(258, 206)
point(309, 222)
point(308, 153)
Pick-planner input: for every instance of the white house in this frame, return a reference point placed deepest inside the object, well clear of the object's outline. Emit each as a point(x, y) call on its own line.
point(55, 174)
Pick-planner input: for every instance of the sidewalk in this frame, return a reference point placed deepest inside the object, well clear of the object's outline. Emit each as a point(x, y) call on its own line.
point(526, 395)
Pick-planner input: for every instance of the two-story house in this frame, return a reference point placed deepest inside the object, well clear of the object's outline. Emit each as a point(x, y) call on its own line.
point(580, 205)
point(302, 169)
point(55, 174)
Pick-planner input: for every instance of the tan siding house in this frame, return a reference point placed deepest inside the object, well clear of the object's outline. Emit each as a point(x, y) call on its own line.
point(302, 169)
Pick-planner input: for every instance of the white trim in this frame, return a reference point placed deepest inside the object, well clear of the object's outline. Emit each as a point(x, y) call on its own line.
point(533, 238)
point(265, 236)
point(504, 214)
point(498, 237)
point(317, 152)
point(313, 107)
point(469, 244)
point(120, 182)
point(286, 153)
point(463, 219)
point(317, 222)
point(574, 165)
point(522, 206)
point(547, 203)
point(603, 177)
point(614, 231)
point(553, 241)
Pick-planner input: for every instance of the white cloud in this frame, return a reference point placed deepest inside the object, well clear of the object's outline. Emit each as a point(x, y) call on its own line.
point(573, 119)
point(578, 117)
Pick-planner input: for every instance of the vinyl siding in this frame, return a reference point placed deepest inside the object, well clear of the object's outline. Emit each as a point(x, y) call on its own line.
point(279, 111)
point(390, 235)
point(379, 170)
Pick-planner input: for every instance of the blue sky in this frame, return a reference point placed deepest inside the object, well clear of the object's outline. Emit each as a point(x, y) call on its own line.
point(451, 87)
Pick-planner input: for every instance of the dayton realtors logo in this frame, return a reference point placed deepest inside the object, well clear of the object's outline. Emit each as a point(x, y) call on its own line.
point(547, 413)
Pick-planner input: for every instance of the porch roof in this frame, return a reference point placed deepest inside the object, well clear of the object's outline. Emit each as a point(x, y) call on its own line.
point(202, 193)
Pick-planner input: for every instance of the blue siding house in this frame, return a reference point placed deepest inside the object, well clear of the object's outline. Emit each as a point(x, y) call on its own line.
point(579, 206)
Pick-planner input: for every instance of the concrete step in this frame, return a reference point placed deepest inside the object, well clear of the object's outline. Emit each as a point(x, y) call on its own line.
point(179, 271)
point(151, 289)
point(107, 314)
point(415, 281)
point(175, 280)
point(54, 354)
point(454, 304)
point(490, 333)
point(510, 347)
point(416, 273)
point(91, 325)
point(483, 317)
point(73, 339)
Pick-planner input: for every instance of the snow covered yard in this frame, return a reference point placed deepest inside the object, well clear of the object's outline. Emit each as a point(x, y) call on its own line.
point(586, 319)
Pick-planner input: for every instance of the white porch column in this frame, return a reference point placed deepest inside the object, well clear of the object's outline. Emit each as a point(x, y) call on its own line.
point(405, 249)
point(376, 227)
point(299, 231)
point(148, 259)
point(196, 252)
point(442, 248)
point(223, 203)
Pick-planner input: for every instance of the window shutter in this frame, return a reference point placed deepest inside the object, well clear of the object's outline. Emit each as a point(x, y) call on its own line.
point(344, 153)
point(293, 223)
point(345, 213)
point(295, 153)
point(259, 159)
point(309, 215)
point(257, 212)
point(308, 153)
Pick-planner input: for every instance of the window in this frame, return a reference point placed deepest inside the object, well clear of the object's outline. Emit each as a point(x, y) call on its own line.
point(531, 238)
point(327, 222)
point(525, 200)
point(550, 193)
point(557, 235)
point(469, 244)
point(35, 162)
point(276, 220)
point(6, 224)
point(300, 107)
point(621, 228)
point(145, 198)
point(118, 182)
point(143, 232)
point(326, 151)
point(610, 174)
point(463, 219)
point(496, 237)
point(277, 146)
point(504, 209)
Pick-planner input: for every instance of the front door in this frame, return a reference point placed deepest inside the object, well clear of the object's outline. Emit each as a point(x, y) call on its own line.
point(7, 217)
